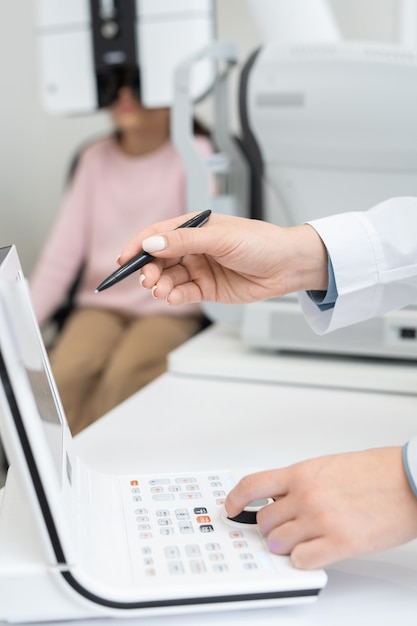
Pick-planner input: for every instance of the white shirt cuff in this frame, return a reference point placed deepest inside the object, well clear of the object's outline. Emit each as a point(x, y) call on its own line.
point(356, 272)
point(410, 463)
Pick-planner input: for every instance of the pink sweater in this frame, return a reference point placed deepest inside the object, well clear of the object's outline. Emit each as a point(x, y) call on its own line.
point(111, 198)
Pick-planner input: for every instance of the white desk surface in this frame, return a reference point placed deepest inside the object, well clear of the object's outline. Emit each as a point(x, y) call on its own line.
point(181, 423)
point(219, 352)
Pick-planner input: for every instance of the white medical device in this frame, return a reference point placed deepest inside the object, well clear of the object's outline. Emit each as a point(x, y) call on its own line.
point(331, 128)
point(75, 543)
point(88, 48)
point(326, 128)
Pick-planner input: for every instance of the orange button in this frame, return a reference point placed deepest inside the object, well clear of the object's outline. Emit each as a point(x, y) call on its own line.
point(134, 483)
point(203, 519)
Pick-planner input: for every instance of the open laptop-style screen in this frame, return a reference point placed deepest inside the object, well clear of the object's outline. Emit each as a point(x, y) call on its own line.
point(30, 354)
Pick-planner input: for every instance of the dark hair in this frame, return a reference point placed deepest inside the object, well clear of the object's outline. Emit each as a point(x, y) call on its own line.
point(199, 128)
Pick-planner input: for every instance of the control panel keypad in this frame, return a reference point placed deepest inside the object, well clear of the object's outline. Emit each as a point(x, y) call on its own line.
point(175, 528)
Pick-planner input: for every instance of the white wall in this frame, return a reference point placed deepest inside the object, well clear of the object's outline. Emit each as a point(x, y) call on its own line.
point(35, 149)
point(375, 20)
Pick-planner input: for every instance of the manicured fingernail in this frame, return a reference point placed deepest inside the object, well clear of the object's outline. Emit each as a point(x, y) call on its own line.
point(275, 546)
point(153, 292)
point(154, 244)
point(141, 278)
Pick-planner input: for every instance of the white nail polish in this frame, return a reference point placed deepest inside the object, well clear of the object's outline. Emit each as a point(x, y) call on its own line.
point(141, 279)
point(154, 244)
point(153, 292)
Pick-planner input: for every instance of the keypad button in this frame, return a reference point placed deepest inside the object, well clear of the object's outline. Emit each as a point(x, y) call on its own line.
point(150, 572)
point(145, 535)
point(206, 528)
point(197, 566)
point(235, 534)
point(163, 496)
point(200, 510)
point(160, 481)
point(245, 556)
point(175, 568)
point(190, 496)
point(212, 547)
point(192, 550)
point(185, 480)
point(186, 528)
point(182, 514)
point(220, 567)
point(166, 531)
point(172, 552)
point(157, 489)
point(163, 513)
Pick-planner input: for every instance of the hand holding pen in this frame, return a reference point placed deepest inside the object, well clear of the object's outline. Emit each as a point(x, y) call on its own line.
point(142, 258)
point(231, 260)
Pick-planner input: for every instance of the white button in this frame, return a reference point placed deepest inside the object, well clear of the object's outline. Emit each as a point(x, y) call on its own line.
point(163, 496)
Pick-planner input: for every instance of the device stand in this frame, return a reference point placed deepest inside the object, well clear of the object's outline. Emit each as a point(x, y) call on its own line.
point(232, 195)
point(229, 166)
point(31, 588)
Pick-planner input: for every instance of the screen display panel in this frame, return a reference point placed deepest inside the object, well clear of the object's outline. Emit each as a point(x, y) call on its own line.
point(30, 353)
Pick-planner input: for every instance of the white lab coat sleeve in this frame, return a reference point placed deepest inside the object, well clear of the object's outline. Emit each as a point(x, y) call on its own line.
point(374, 257)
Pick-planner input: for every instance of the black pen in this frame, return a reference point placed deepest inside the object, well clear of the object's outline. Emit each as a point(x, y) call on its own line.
point(142, 258)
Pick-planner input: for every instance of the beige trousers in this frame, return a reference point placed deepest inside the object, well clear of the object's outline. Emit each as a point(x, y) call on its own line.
point(102, 357)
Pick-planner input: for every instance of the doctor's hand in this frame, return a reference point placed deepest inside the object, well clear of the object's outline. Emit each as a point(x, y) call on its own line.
point(229, 260)
point(333, 507)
